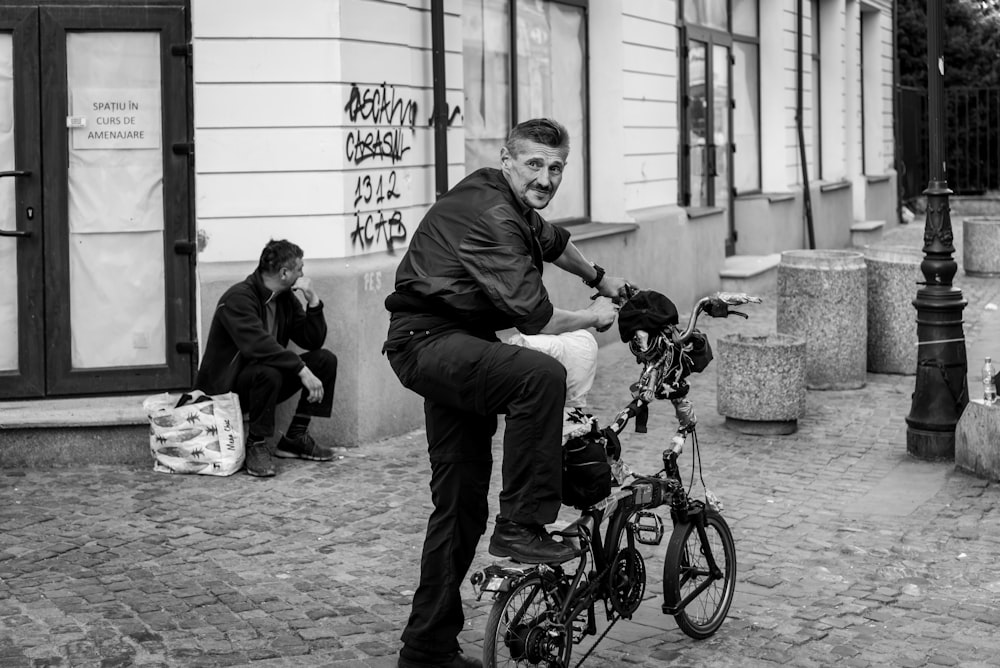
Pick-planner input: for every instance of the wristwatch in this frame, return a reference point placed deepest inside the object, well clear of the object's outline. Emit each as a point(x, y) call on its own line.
point(597, 279)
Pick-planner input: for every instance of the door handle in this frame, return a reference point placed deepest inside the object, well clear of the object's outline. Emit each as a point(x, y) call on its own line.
point(16, 172)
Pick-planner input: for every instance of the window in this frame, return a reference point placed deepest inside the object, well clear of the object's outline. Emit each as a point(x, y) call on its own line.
point(721, 96)
point(546, 75)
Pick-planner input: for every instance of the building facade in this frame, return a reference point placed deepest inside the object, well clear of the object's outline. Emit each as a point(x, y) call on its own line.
point(148, 150)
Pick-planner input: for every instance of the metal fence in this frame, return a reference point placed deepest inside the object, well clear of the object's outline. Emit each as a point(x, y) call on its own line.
point(972, 140)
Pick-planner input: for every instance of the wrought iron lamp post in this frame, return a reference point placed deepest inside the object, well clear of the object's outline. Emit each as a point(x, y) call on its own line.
point(941, 389)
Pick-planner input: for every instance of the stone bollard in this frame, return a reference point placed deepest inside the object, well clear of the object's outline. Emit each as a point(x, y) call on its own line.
point(981, 246)
point(977, 440)
point(822, 297)
point(893, 274)
point(761, 382)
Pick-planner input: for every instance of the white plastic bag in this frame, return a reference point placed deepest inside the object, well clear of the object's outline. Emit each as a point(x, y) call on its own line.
point(576, 350)
point(204, 436)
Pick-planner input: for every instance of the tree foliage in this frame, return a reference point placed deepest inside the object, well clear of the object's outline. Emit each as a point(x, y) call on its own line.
point(971, 43)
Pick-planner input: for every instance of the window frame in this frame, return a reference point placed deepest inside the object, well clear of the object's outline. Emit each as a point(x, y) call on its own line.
point(816, 57)
point(711, 37)
point(746, 38)
point(730, 38)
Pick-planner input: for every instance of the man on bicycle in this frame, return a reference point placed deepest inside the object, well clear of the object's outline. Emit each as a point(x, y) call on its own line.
point(473, 267)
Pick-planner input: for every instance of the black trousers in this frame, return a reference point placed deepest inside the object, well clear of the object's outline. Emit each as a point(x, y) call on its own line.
point(261, 388)
point(466, 382)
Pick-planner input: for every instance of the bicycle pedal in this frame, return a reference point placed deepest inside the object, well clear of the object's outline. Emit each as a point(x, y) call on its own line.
point(648, 528)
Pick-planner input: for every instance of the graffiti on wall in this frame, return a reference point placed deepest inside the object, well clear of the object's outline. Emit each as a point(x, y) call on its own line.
point(384, 123)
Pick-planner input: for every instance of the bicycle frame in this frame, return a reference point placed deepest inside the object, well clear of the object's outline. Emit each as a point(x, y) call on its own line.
point(617, 575)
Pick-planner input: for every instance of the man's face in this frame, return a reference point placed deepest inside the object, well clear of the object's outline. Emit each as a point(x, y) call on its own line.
point(534, 171)
point(290, 273)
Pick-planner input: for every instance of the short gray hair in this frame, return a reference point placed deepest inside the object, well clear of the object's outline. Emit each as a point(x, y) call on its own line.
point(540, 131)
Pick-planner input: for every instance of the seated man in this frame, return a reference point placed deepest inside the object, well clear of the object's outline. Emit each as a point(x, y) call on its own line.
point(246, 353)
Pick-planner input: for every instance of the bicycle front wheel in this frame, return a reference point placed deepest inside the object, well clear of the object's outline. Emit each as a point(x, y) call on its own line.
point(699, 575)
point(521, 631)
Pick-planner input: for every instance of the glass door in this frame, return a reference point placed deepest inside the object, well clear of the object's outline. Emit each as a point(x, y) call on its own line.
point(102, 296)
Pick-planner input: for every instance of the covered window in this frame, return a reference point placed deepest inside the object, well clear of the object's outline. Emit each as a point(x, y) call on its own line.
point(525, 59)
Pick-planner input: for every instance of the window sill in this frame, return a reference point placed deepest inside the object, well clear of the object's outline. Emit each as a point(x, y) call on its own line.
point(770, 197)
point(836, 185)
point(582, 231)
point(694, 213)
point(878, 178)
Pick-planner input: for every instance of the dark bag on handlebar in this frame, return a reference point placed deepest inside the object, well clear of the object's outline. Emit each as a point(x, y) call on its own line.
point(647, 310)
point(700, 353)
point(586, 470)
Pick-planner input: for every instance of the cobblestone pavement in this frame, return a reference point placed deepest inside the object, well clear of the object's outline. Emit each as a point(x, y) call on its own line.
point(850, 552)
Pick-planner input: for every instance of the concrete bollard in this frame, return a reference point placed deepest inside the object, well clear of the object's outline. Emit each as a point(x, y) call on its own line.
point(822, 297)
point(761, 382)
point(981, 246)
point(977, 440)
point(893, 274)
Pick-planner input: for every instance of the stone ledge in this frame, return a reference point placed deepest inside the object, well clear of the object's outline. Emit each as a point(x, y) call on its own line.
point(750, 273)
point(866, 232)
point(120, 410)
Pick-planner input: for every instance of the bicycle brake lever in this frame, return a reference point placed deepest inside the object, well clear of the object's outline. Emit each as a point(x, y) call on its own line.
point(739, 313)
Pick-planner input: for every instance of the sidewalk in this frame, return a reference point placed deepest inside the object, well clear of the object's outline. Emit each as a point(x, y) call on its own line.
point(850, 552)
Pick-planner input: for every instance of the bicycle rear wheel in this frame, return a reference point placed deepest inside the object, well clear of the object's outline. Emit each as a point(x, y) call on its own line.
point(699, 575)
point(520, 631)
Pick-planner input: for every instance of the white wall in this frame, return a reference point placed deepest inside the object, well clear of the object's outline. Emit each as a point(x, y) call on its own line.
point(650, 62)
point(312, 123)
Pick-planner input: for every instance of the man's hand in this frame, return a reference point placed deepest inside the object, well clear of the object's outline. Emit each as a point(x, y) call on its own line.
point(312, 385)
point(605, 311)
point(616, 288)
point(304, 285)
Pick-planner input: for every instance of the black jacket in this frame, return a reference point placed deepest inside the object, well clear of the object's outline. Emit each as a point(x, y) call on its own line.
point(238, 336)
point(475, 261)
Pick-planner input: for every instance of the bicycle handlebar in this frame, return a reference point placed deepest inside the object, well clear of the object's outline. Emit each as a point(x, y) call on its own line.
point(717, 306)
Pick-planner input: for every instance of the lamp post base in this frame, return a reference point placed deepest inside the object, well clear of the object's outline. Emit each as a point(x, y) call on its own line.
point(930, 445)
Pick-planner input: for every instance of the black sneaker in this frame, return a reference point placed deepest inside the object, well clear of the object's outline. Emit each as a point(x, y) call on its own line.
point(303, 447)
point(528, 544)
point(258, 459)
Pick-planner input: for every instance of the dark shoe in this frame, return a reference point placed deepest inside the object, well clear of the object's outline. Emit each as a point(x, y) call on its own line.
point(459, 660)
point(303, 447)
point(258, 459)
point(528, 544)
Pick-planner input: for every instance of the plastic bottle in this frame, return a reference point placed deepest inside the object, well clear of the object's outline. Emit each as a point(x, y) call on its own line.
point(989, 387)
